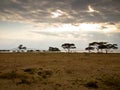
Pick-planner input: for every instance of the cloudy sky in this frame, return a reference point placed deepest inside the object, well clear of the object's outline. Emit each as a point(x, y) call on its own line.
point(39, 24)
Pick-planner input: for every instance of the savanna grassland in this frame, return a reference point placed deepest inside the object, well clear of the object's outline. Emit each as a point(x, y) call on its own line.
point(59, 71)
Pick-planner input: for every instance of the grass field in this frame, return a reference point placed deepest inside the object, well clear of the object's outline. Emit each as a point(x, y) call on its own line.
point(59, 71)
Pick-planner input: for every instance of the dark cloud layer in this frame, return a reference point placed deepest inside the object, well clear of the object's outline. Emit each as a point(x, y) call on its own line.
point(73, 11)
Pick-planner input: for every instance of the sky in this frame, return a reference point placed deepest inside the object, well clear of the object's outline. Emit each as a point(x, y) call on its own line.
point(39, 24)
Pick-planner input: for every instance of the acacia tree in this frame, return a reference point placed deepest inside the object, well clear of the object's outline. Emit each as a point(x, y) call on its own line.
point(21, 47)
point(107, 47)
point(89, 48)
point(97, 44)
point(114, 46)
point(68, 46)
point(53, 49)
point(103, 46)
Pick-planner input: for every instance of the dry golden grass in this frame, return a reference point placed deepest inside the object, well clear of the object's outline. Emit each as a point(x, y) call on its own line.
point(59, 71)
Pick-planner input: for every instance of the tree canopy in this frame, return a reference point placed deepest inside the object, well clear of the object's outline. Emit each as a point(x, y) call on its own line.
point(102, 46)
point(89, 48)
point(53, 49)
point(21, 47)
point(68, 46)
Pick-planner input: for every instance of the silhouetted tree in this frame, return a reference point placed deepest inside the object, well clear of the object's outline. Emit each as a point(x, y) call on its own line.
point(103, 46)
point(89, 48)
point(97, 44)
point(21, 48)
point(107, 47)
point(68, 46)
point(24, 48)
point(114, 46)
point(53, 49)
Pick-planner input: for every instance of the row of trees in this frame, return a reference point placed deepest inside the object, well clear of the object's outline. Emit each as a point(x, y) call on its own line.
point(100, 46)
point(66, 46)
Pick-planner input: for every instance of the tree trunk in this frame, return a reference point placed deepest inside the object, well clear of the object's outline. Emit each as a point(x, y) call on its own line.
point(97, 50)
point(68, 50)
point(106, 51)
point(89, 51)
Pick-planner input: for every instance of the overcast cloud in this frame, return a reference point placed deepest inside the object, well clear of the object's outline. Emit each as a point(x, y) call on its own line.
point(49, 14)
point(75, 11)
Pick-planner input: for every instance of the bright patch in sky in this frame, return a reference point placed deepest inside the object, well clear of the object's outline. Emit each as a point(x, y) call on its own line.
point(89, 27)
point(57, 13)
point(84, 27)
point(63, 28)
point(80, 27)
point(90, 9)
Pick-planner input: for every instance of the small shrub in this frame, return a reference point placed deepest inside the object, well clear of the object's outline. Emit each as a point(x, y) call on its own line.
point(91, 84)
point(77, 82)
point(40, 73)
point(12, 75)
point(45, 73)
point(59, 85)
point(24, 81)
point(44, 76)
point(30, 70)
point(48, 72)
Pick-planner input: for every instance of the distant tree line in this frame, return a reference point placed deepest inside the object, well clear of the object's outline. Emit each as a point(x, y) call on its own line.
point(100, 46)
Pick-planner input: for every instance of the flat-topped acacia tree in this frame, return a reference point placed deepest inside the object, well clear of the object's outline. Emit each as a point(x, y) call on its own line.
point(97, 44)
point(108, 47)
point(103, 46)
point(68, 46)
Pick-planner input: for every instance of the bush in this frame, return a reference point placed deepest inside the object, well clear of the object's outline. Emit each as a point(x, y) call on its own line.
point(45, 73)
point(30, 70)
point(91, 84)
point(24, 81)
point(12, 75)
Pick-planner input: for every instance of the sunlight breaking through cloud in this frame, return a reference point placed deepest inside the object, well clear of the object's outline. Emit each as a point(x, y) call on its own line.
point(56, 14)
point(91, 10)
point(60, 20)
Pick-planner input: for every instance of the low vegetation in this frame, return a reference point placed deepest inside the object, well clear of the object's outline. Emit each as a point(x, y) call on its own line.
point(91, 84)
point(30, 70)
point(59, 71)
point(45, 73)
point(112, 81)
point(12, 75)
